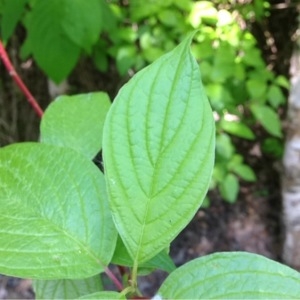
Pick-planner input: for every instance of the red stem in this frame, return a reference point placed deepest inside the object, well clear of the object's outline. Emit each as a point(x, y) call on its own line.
point(12, 72)
point(114, 279)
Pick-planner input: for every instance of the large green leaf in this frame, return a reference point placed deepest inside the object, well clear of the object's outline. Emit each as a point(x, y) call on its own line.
point(158, 151)
point(76, 122)
point(235, 275)
point(12, 12)
point(66, 288)
point(52, 49)
point(54, 217)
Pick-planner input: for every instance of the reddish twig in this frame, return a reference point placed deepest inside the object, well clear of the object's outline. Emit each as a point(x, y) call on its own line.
point(114, 279)
point(12, 72)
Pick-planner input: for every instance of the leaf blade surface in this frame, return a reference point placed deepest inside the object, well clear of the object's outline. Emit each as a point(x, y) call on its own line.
point(232, 275)
point(54, 217)
point(158, 152)
point(76, 122)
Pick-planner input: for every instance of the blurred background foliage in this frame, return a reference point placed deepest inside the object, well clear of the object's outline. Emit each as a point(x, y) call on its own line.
point(247, 96)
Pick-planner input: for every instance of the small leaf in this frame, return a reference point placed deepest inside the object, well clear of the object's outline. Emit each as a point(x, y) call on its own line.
point(282, 81)
point(232, 275)
point(76, 122)
point(257, 89)
point(229, 188)
point(224, 146)
point(66, 288)
point(244, 172)
point(104, 295)
point(158, 152)
point(237, 128)
point(125, 58)
point(11, 14)
point(275, 96)
point(55, 222)
point(161, 261)
point(268, 119)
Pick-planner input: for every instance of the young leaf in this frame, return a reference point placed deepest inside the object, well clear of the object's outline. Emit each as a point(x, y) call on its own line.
point(49, 41)
point(12, 12)
point(232, 275)
point(161, 261)
point(55, 221)
point(76, 122)
point(268, 119)
point(158, 152)
point(66, 288)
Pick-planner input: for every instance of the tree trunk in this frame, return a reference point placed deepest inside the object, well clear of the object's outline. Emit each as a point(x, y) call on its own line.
point(291, 172)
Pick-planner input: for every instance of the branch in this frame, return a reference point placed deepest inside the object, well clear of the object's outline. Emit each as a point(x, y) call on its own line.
point(12, 72)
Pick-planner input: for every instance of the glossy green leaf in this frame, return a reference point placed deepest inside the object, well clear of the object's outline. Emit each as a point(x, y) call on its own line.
point(55, 221)
point(229, 188)
point(232, 275)
point(104, 295)
point(238, 129)
point(268, 119)
point(66, 288)
point(76, 122)
point(82, 21)
point(158, 152)
point(49, 41)
point(12, 12)
point(161, 261)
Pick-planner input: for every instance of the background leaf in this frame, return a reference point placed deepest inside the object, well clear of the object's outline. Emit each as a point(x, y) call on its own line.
point(76, 122)
point(232, 275)
point(49, 41)
point(66, 288)
point(238, 129)
point(158, 151)
point(244, 172)
point(54, 217)
point(83, 22)
point(268, 119)
point(229, 188)
point(12, 12)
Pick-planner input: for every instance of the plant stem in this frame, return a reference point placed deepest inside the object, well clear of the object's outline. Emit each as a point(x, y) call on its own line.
point(12, 72)
point(114, 279)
